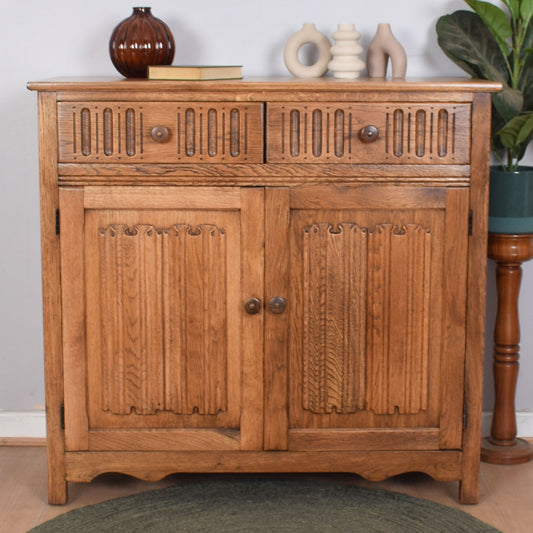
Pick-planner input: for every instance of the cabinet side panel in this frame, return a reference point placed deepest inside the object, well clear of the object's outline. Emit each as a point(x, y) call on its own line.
point(57, 486)
point(477, 260)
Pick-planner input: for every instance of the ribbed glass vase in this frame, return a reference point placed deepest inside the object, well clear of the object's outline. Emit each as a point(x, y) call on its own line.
point(139, 41)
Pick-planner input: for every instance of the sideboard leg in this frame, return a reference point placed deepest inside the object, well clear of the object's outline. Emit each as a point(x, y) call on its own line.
point(469, 490)
point(57, 486)
point(502, 447)
point(57, 492)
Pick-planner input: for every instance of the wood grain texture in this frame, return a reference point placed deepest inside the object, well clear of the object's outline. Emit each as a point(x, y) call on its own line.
point(363, 440)
point(374, 466)
point(126, 132)
point(23, 490)
point(252, 340)
point(53, 350)
point(276, 325)
point(366, 339)
point(185, 204)
point(73, 313)
point(475, 319)
point(158, 303)
point(502, 447)
point(454, 315)
point(331, 133)
point(271, 174)
point(147, 274)
point(292, 88)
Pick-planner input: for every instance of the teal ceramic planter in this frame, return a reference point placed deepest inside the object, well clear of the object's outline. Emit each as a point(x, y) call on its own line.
point(511, 201)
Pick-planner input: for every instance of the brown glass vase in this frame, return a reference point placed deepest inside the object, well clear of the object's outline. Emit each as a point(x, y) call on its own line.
point(139, 41)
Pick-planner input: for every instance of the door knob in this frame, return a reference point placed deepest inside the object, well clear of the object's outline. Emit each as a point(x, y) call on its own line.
point(160, 134)
point(277, 304)
point(369, 134)
point(252, 306)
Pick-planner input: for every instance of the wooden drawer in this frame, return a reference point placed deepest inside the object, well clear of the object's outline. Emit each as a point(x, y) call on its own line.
point(154, 132)
point(402, 133)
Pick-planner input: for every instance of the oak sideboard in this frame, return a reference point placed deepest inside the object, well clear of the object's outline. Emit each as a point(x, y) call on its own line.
point(273, 275)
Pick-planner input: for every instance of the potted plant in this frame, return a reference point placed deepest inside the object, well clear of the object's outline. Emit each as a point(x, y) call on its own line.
point(496, 44)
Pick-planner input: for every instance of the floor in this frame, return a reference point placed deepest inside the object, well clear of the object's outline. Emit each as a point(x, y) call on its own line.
point(506, 500)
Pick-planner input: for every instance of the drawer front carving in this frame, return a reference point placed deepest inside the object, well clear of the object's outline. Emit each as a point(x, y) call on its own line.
point(369, 133)
point(101, 132)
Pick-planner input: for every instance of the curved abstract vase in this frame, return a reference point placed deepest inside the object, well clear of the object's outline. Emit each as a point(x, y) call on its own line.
point(308, 34)
point(382, 47)
point(139, 41)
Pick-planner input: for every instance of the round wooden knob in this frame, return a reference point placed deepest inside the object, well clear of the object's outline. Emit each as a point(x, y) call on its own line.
point(369, 134)
point(160, 134)
point(277, 304)
point(252, 306)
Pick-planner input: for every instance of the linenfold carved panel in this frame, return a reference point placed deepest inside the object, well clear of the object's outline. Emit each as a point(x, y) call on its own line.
point(163, 348)
point(358, 354)
point(330, 133)
point(100, 132)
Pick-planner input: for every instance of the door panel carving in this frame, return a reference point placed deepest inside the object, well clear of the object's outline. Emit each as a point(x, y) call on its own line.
point(352, 335)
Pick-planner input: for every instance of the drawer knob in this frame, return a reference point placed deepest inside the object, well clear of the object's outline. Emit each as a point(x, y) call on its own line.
point(160, 134)
point(277, 304)
point(252, 306)
point(369, 134)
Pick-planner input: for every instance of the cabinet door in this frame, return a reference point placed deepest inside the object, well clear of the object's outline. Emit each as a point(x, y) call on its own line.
point(158, 352)
point(376, 282)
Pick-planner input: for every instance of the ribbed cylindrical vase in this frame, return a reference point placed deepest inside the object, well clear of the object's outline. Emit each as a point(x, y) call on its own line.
point(139, 41)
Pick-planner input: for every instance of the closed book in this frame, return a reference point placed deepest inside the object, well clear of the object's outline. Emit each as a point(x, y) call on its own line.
point(178, 72)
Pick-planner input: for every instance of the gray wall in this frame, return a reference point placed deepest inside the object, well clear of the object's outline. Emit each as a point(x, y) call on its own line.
point(70, 37)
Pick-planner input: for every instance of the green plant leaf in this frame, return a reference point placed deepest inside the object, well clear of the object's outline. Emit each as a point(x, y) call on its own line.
point(526, 10)
point(526, 78)
point(517, 131)
point(527, 84)
point(527, 128)
point(466, 40)
point(496, 21)
point(508, 103)
point(514, 8)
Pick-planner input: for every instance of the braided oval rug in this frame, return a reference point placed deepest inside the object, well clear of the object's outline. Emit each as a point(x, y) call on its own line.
point(261, 506)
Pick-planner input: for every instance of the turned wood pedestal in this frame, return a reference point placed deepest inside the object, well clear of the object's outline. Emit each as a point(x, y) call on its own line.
point(502, 447)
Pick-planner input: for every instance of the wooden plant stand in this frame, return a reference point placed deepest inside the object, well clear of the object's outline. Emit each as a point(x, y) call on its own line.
point(502, 447)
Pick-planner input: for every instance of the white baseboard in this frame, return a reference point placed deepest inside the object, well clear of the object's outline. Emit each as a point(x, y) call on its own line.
point(23, 424)
point(32, 424)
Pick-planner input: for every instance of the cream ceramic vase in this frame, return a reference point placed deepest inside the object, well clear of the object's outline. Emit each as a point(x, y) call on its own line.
point(308, 34)
point(346, 50)
point(385, 46)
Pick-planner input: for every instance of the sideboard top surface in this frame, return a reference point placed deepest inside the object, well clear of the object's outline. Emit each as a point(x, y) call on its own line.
point(270, 85)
